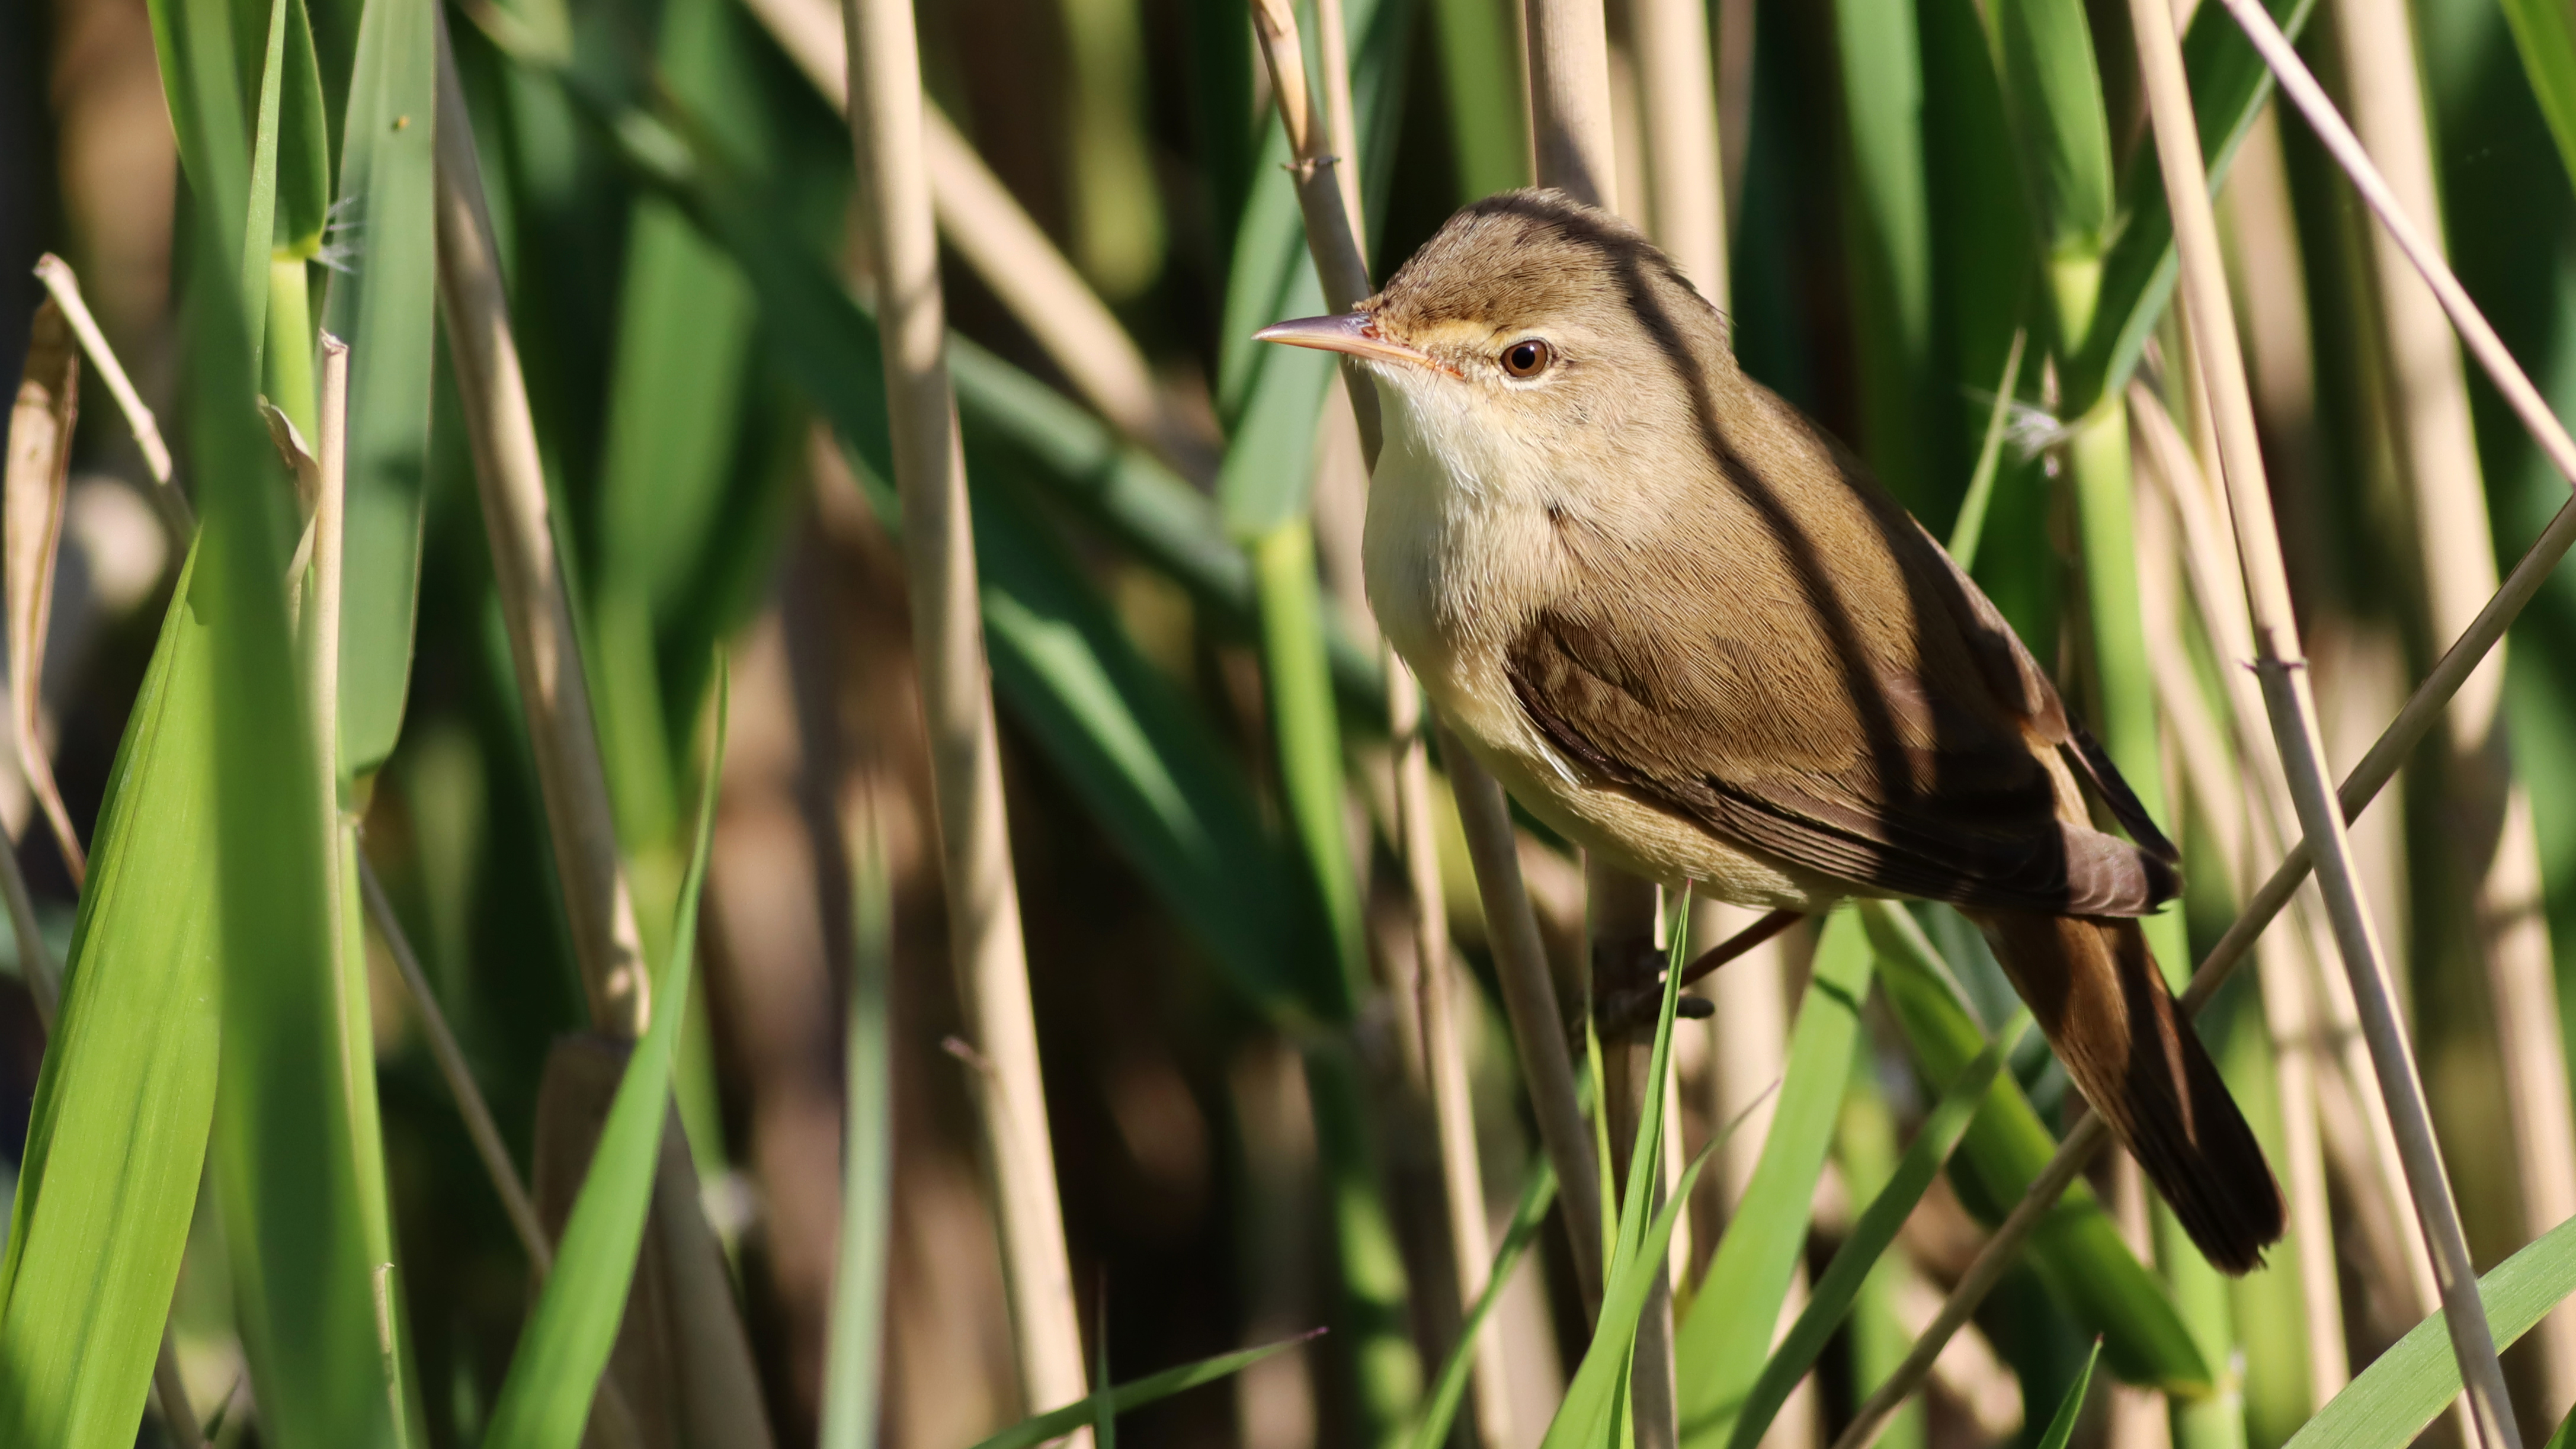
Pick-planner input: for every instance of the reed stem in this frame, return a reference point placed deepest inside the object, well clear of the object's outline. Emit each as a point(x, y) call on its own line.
point(886, 127)
point(2292, 709)
point(510, 478)
point(2495, 867)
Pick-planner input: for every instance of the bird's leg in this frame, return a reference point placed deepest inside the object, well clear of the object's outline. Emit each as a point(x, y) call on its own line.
point(1630, 1008)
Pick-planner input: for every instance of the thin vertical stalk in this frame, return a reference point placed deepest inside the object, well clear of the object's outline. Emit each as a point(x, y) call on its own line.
point(1571, 135)
point(1336, 237)
point(1444, 1047)
point(1569, 82)
point(510, 478)
point(2489, 814)
point(2300, 85)
point(856, 1348)
point(32, 494)
point(2246, 817)
point(480, 1127)
point(957, 703)
point(2218, 583)
point(1530, 1004)
point(1676, 79)
point(2292, 707)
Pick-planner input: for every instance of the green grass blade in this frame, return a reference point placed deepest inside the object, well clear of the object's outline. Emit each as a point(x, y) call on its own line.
point(303, 143)
point(1480, 79)
point(546, 1399)
point(117, 1134)
point(2077, 1250)
point(1970, 527)
point(1153, 1388)
point(1309, 745)
point(853, 1364)
point(1598, 1397)
point(2053, 99)
point(1871, 1236)
point(2070, 1409)
point(1449, 1386)
point(1719, 1353)
point(1889, 258)
point(385, 306)
point(259, 223)
point(2545, 36)
point(2390, 1402)
point(193, 40)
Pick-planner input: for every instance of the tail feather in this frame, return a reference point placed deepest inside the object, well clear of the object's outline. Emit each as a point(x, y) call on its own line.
point(2094, 989)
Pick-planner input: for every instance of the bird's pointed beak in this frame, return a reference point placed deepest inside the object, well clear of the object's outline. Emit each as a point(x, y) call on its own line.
point(1354, 333)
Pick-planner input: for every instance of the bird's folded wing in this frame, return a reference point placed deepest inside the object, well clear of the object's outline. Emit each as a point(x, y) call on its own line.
point(1823, 753)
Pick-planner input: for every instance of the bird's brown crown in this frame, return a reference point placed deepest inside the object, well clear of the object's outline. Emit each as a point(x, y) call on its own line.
point(1518, 258)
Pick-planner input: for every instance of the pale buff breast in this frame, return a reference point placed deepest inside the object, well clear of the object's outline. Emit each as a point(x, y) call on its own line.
point(1455, 553)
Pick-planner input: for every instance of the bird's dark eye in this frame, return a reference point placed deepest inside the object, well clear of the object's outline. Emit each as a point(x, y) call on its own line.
point(1528, 357)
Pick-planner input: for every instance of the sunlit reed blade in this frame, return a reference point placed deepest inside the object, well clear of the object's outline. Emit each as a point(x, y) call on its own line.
point(32, 494)
point(986, 950)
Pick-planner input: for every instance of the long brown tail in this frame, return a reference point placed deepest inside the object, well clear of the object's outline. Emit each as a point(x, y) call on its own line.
point(2094, 989)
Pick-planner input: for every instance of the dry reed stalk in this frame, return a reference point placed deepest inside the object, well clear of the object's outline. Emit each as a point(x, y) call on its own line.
point(64, 288)
point(1569, 83)
point(886, 123)
point(37, 481)
point(544, 652)
point(2428, 410)
point(2369, 1159)
point(2510, 380)
point(1686, 190)
point(1531, 1005)
point(1341, 129)
point(510, 479)
point(2241, 827)
point(1009, 253)
point(2292, 709)
point(1444, 1049)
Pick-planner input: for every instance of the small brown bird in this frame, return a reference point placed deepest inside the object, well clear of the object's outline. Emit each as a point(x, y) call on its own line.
point(1687, 629)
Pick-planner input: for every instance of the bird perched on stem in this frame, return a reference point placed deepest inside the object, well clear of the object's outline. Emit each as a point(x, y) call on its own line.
point(1688, 630)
